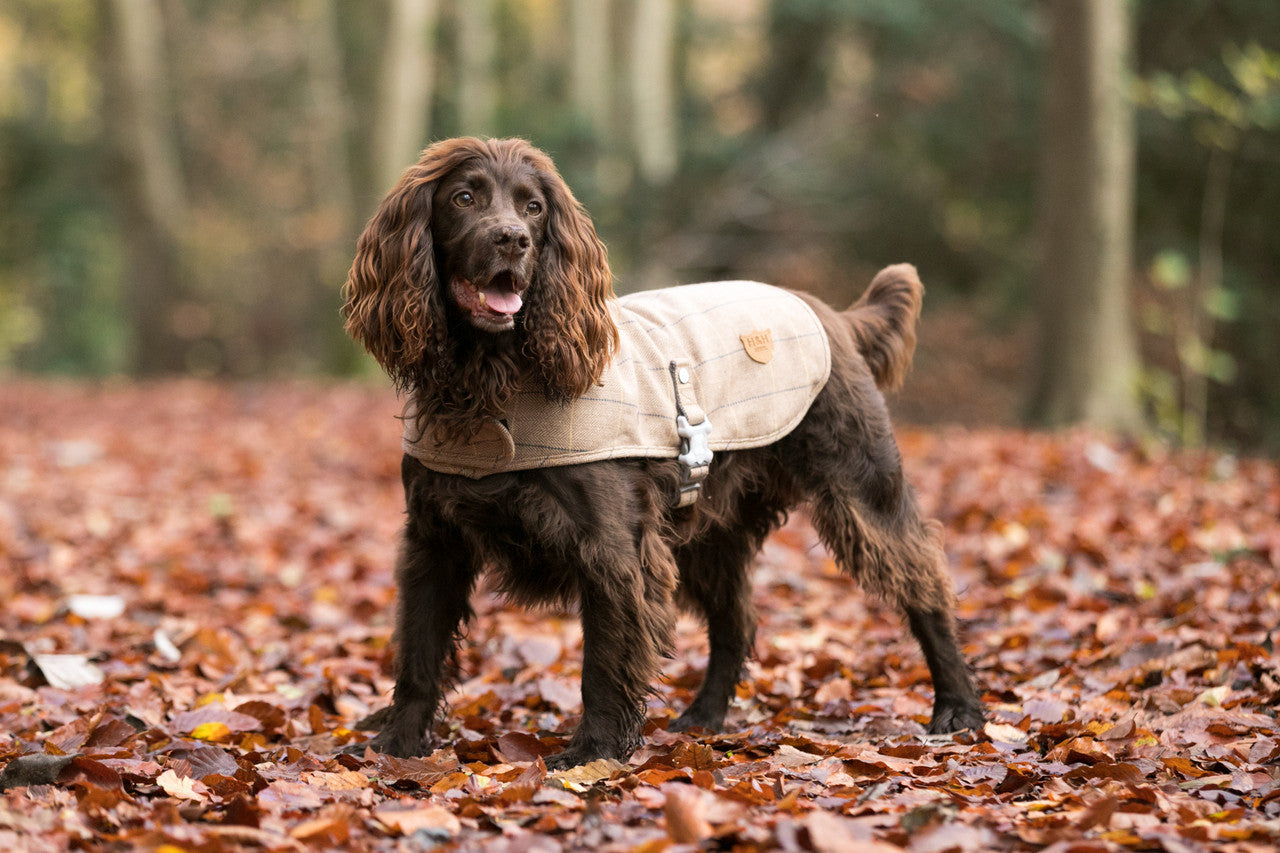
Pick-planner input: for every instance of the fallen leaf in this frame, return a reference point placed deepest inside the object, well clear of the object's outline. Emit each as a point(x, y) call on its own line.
point(182, 787)
point(582, 777)
point(684, 810)
point(434, 822)
point(68, 672)
point(1004, 733)
point(96, 606)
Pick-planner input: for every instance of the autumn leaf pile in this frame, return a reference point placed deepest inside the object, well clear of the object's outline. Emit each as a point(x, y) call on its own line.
point(197, 602)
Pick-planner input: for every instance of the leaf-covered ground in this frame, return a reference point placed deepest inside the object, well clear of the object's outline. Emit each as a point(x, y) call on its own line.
point(196, 586)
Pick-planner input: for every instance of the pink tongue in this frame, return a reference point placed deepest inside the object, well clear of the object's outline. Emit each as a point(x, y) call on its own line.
point(502, 300)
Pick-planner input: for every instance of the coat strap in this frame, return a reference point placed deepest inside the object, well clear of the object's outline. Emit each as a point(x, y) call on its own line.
point(694, 429)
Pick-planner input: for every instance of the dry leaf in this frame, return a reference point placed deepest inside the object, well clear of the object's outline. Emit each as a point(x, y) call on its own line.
point(251, 635)
point(182, 787)
point(684, 811)
point(68, 672)
point(435, 820)
point(582, 777)
point(1004, 733)
point(96, 606)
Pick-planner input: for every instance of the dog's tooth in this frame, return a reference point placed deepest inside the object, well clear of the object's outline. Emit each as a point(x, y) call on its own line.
point(483, 302)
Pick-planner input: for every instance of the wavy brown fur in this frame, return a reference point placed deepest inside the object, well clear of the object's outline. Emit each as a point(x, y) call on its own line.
point(605, 535)
point(395, 301)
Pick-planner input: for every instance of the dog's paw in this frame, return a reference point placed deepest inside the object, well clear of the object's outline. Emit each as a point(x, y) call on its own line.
point(587, 751)
point(696, 718)
point(576, 758)
point(386, 743)
point(562, 761)
point(956, 716)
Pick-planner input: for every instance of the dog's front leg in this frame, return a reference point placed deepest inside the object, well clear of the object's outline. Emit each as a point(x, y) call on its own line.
point(434, 578)
point(626, 629)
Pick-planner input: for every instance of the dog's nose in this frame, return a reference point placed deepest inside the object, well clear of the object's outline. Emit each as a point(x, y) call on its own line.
point(510, 238)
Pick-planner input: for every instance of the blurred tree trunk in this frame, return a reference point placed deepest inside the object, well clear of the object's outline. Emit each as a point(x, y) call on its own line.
point(653, 95)
point(333, 228)
point(149, 184)
point(590, 69)
point(404, 90)
point(477, 51)
point(1089, 367)
point(800, 46)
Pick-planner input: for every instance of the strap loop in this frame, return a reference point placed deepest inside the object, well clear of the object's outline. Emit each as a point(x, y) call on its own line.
point(694, 428)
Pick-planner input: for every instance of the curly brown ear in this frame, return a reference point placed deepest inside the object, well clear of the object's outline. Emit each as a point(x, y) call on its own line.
point(570, 332)
point(393, 302)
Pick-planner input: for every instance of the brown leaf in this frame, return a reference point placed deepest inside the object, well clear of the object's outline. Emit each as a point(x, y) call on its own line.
point(418, 771)
point(323, 830)
point(519, 747)
point(271, 717)
point(340, 780)
point(684, 810)
point(1122, 730)
point(202, 761)
point(582, 777)
point(211, 716)
point(830, 833)
point(1045, 710)
point(438, 823)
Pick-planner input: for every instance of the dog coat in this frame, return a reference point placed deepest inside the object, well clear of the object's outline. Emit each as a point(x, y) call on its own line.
point(699, 368)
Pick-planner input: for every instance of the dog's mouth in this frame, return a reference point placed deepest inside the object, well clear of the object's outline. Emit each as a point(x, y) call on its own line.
point(491, 305)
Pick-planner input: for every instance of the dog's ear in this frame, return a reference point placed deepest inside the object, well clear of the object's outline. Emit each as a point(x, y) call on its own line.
point(393, 298)
point(569, 331)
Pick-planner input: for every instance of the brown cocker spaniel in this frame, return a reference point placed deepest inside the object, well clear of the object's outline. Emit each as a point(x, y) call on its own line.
point(480, 278)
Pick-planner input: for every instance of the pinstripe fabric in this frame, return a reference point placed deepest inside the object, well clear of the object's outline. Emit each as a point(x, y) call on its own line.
point(632, 412)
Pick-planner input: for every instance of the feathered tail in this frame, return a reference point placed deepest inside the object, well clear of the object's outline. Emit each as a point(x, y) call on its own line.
point(884, 323)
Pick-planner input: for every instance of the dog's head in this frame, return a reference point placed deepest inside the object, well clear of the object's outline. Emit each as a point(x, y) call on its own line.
point(482, 238)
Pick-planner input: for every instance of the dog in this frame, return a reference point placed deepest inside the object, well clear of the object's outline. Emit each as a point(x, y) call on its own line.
point(481, 287)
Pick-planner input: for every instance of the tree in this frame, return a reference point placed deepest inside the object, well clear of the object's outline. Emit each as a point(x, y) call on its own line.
point(653, 90)
point(150, 187)
point(590, 70)
point(328, 110)
point(1089, 367)
point(477, 50)
point(401, 121)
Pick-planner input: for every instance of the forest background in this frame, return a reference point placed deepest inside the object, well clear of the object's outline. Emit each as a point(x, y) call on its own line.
point(182, 181)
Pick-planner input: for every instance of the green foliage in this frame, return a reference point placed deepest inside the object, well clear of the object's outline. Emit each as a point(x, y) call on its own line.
point(819, 138)
point(1219, 113)
point(60, 256)
point(1221, 117)
point(59, 252)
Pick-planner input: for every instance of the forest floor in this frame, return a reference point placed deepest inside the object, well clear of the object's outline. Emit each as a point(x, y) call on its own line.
point(197, 601)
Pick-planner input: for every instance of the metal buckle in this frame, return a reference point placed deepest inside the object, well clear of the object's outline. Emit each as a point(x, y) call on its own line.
point(695, 458)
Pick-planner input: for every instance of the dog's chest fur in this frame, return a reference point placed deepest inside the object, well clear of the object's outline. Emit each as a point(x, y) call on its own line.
point(745, 357)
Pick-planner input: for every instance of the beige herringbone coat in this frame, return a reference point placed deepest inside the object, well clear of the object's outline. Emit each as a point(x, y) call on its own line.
point(747, 357)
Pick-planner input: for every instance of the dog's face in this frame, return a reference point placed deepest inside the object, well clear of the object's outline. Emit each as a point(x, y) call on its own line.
point(490, 221)
point(487, 231)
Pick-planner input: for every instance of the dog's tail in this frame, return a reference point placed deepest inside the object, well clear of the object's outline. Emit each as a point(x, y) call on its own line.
point(884, 323)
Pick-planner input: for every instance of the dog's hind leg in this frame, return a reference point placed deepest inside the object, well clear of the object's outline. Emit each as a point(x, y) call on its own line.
point(714, 578)
point(873, 526)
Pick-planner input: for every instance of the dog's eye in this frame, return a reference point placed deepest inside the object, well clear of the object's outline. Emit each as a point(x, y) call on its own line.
point(462, 198)
point(534, 208)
